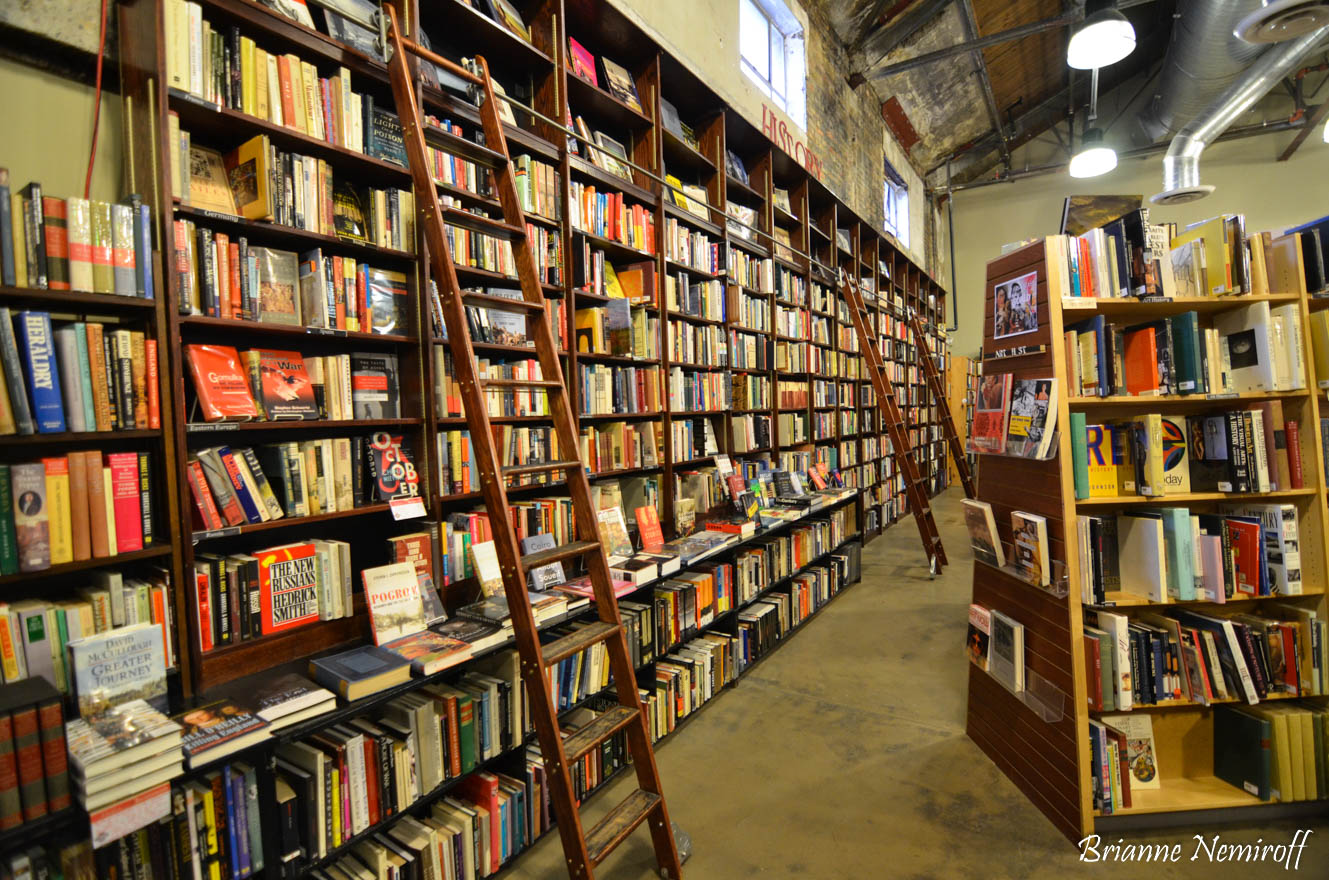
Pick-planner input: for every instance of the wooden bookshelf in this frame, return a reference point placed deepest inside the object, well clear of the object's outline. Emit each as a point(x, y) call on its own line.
point(1049, 758)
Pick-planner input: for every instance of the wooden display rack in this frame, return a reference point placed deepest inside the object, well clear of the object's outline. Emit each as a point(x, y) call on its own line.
point(1049, 760)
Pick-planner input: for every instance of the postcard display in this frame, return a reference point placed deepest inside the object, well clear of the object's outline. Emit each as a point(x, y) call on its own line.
point(1039, 737)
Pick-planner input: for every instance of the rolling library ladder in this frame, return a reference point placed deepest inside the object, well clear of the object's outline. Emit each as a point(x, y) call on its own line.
point(939, 395)
point(584, 849)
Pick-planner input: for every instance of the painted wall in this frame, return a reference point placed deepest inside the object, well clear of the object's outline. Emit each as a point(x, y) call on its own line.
point(1272, 195)
point(845, 127)
point(59, 159)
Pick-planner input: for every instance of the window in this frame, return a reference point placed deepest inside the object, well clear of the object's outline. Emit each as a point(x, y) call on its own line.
point(770, 43)
point(895, 208)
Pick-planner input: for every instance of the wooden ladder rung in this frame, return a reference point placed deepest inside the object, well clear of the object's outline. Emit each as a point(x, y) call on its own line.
point(540, 467)
point(482, 224)
point(458, 146)
point(578, 640)
point(580, 743)
point(549, 384)
point(502, 303)
point(557, 554)
point(610, 831)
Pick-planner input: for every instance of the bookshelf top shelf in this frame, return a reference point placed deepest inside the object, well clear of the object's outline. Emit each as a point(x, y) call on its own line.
point(1182, 498)
point(1072, 307)
point(1181, 401)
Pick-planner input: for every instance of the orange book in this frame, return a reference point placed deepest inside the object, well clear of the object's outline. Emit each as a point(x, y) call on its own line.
point(337, 273)
point(152, 385)
point(1086, 269)
point(78, 507)
point(287, 98)
point(92, 469)
point(101, 397)
point(1141, 361)
point(222, 244)
point(220, 383)
point(233, 261)
point(648, 524)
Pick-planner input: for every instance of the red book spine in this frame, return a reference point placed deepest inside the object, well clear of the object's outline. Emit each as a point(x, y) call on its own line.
point(1293, 431)
point(11, 807)
point(51, 719)
point(28, 752)
point(204, 612)
point(182, 261)
point(55, 235)
point(233, 261)
point(1093, 660)
point(153, 385)
point(371, 779)
point(125, 501)
point(204, 504)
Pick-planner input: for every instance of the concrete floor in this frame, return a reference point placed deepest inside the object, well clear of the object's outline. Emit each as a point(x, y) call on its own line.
point(844, 756)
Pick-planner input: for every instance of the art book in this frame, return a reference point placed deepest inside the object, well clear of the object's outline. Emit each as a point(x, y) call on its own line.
point(281, 384)
point(581, 62)
point(288, 587)
point(375, 393)
point(1015, 306)
point(980, 633)
point(1033, 417)
point(429, 652)
point(1029, 539)
point(988, 433)
point(389, 301)
point(1142, 759)
point(392, 593)
point(278, 300)
point(983, 537)
point(112, 667)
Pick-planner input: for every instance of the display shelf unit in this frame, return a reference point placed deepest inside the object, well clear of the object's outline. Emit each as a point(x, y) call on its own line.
point(1050, 761)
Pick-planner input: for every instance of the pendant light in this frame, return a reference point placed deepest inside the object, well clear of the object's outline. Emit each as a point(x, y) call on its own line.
point(1103, 37)
point(1094, 157)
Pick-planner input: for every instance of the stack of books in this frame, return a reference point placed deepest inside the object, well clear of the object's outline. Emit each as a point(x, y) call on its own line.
point(34, 774)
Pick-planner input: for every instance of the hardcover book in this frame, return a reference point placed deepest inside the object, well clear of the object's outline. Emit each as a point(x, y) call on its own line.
point(219, 729)
point(581, 62)
point(360, 671)
point(391, 468)
point(109, 668)
point(288, 587)
point(37, 343)
point(619, 83)
point(209, 185)
point(220, 383)
point(1029, 539)
point(484, 562)
point(276, 698)
point(278, 295)
point(375, 393)
point(983, 537)
point(1033, 417)
point(392, 593)
point(31, 519)
point(1006, 651)
point(389, 301)
point(980, 632)
point(614, 533)
point(281, 384)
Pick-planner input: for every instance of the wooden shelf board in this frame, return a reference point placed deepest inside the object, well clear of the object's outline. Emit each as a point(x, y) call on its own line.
point(75, 300)
point(1156, 500)
point(74, 438)
point(239, 325)
point(1123, 599)
point(1173, 401)
point(156, 552)
point(1186, 793)
point(1204, 304)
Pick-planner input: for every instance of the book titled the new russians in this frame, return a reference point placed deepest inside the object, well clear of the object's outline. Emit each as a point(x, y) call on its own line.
point(288, 585)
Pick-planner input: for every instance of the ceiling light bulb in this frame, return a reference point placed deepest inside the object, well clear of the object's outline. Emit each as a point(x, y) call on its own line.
point(1103, 38)
point(1093, 158)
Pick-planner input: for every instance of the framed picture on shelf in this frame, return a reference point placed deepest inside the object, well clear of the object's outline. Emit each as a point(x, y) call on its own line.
point(1015, 306)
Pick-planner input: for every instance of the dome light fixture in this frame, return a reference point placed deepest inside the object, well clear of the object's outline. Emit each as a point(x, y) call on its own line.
point(1103, 37)
point(1279, 20)
point(1094, 158)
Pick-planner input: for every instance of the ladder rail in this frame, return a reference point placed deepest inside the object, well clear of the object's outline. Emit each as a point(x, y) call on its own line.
point(901, 449)
point(933, 376)
point(580, 860)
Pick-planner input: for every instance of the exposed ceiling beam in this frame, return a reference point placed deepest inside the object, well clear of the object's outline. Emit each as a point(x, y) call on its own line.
point(970, 28)
point(974, 44)
point(1313, 119)
point(880, 40)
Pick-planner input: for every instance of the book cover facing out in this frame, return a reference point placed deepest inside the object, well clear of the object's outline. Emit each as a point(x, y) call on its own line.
point(288, 587)
point(122, 664)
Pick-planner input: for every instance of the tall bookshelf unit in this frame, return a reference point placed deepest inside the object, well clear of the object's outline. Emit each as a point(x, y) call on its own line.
point(1042, 742)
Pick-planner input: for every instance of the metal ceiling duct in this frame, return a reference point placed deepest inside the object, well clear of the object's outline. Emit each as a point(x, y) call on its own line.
point(1181, 165)
point(1203, 59)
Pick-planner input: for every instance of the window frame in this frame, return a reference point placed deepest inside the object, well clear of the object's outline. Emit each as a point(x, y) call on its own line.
point(781, 53)
point(895, 204)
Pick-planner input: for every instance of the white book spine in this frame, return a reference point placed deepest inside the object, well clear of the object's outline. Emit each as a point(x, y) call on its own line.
point(1239, 660)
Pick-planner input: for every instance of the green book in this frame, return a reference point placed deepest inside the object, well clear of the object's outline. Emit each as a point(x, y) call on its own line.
point(8, 537)
point(1079, 456)
point(85, 375)
point(1185, 332)
point(1242, 753)
point(1178, 543)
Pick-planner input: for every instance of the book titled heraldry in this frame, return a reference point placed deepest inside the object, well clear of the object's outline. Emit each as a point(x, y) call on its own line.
point(122, 664)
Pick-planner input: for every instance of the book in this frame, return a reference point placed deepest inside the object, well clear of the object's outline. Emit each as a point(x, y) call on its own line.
point(221, 384)
point(36, 343)
point(374, 386)
point(288, 582)
point(281, 385)
point(1029, 542)
point(1006, 651)
point(129, 732)
point(360, 671)
point(1032, 417)
point(392, 594)
point(218, 729)
point(991, 412)
point(581, 62)
point(614, 533)
point(126, 663)
point(1142, 760)
point(980, 632)
point(544, 576)
point(982, 528)
point(484, 562)
point(278, 698)
point(209, 184)
point(429, 652)
point(619, 83)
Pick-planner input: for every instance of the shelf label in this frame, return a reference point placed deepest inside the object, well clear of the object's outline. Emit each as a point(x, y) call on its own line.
point(407, 508)
point(1155, 299)
point(1078, 302)
point(1226, 395)
point(195, 100)
point(325, 331)
point(216, 533)
point(212, 427)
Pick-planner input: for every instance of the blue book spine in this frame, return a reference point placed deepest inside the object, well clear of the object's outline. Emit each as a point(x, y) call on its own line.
point(7, 273)
point(235, 791)
point(248, 502)
point(232, 851)
point(38, 344)
point(143, 235)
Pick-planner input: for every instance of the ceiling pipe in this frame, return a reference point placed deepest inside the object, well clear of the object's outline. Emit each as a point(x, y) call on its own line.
point(1181, 164)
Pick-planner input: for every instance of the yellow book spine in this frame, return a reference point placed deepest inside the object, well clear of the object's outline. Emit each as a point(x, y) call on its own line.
point(57, 507)
point(260, 75)
point(248, 98)
point(8, 659)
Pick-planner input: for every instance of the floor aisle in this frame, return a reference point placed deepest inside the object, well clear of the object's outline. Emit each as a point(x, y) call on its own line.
point(844, 756)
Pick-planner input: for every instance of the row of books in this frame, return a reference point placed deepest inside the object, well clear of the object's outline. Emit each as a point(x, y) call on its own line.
point(690, 247)
point(79, 376)
point(750, 433)
point(701, 299)
point(225, 277)
point(75, 507)
point(75, 244)
point(793, 357)
point(791, 322)
point(218, 65)
point(608, 215)
point(259, 182)
point(700, 346)
point(1273, 752)
point(750, 391)
point(269, 385)
point(790, 287)
point(596, 273)
point(751, 312)
point(35, 634)
point(612, 390)
point(618, 329)
point(34, 767)
point(613, 446)
point(753, 272)
point(1248, 349)
point(694, 390)
point(1238, 451)
point(1199, 658)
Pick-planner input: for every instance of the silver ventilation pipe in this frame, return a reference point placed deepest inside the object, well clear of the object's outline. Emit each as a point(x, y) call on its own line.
point(1181, 165)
